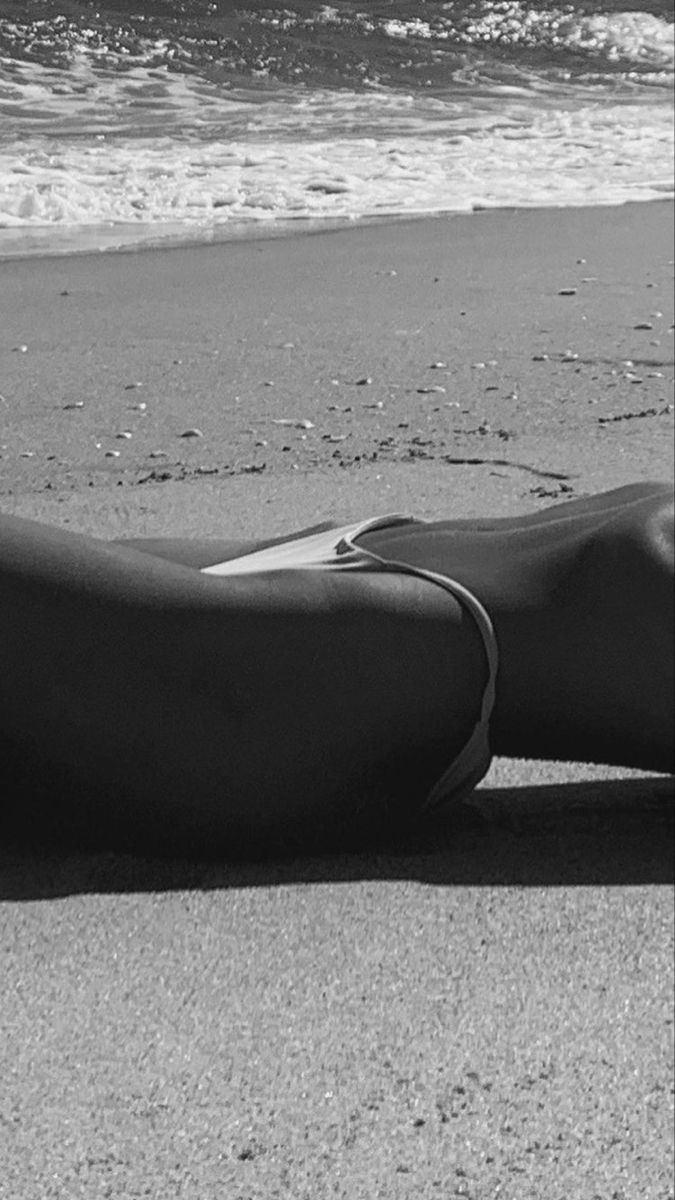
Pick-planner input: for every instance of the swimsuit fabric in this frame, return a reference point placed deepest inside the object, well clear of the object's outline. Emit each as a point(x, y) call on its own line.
point(338, 550)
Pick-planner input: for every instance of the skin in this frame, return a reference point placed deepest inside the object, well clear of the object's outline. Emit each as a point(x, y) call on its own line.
point(146, 705)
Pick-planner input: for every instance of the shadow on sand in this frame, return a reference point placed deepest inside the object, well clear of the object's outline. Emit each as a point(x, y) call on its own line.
point(594, 833)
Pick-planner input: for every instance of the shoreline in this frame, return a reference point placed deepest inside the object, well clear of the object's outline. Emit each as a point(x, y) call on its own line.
point(137, 242)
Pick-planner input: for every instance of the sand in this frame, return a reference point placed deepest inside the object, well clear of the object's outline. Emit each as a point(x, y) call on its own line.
point(227, 340)
point(487, 1012)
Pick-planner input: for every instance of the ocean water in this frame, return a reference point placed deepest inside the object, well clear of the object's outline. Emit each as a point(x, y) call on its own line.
point(146, 120)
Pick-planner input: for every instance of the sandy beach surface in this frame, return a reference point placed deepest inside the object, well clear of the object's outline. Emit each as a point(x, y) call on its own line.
point(486, 1012)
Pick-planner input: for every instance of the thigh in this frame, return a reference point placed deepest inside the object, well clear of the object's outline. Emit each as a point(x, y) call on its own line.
point(148, 705)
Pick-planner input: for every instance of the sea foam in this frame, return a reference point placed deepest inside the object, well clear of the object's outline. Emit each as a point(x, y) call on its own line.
point(104, 131)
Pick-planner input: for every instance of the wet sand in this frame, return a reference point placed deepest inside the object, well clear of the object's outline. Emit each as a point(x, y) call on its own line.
point(486, 1012)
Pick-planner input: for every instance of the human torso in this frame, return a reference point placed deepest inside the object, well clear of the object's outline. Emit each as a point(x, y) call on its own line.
point(344, 549)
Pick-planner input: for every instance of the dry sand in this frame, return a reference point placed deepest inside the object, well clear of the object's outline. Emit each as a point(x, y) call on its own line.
point(487, 1012)
point(229, 339)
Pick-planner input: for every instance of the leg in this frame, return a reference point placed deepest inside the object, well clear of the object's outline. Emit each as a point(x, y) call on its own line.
point(177, 709)
point(144, 704)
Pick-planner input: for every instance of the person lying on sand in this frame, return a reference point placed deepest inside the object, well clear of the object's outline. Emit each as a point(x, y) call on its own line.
point(314, 691)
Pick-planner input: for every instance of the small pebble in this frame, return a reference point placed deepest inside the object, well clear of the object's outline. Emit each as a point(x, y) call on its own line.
point(478, 366)
point(129, 387)
point(262, 442)
point(635, 379)
point(437, 366)
point(656, 314)
point(268, 383)
point(655, 375)
point(643, 325)
point(570, 356)
point(112, 453)
point(138, 407)
point(492, 387)
point(580, 261)
point(27, 454)
point(124, 434)
point(540, 358)
point(627, 362)
point(191, 433)
point(567, 291)
point(293, 423)
point(157, 454)
point(364, 381)
point(425, 391)
point(334, 437)
point(75, 404)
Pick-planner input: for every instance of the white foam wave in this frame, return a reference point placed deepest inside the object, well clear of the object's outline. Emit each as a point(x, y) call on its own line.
point(590, 155)
point(637, 37)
